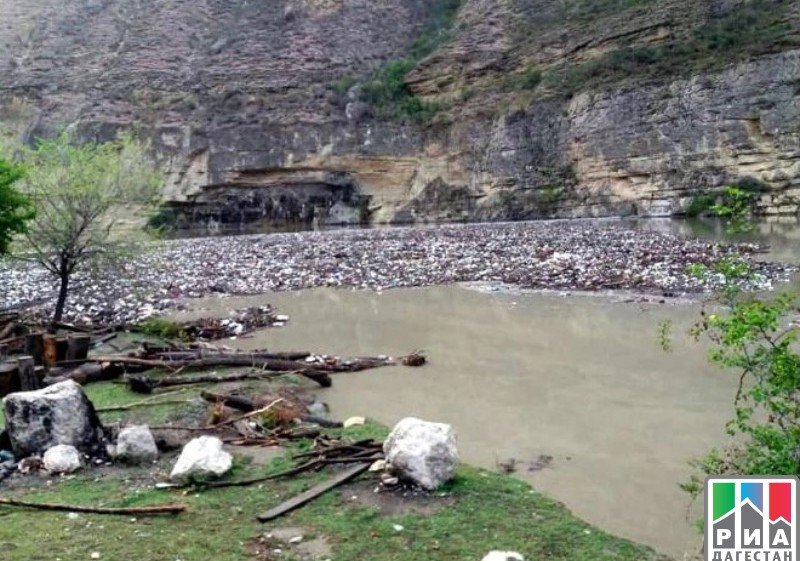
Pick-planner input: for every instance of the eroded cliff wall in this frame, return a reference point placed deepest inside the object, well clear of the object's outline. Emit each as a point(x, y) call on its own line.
point(576, 108)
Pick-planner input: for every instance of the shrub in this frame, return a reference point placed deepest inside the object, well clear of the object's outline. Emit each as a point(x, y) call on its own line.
point(163, 329)
point(754, 338)
point(386, 90)
point(15, 208)
point(528, 79)
point(699, 204)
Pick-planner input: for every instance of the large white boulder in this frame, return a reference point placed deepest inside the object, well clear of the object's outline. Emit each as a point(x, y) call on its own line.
point(136, 445)
point(422, 452)
point(58, 414)
point(503, 556)
point(202, 458)
point(62, 458)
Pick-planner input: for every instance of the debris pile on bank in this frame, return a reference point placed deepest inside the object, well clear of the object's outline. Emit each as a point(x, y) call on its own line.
point(56, 429)
point(240, 322)
point(543, 255)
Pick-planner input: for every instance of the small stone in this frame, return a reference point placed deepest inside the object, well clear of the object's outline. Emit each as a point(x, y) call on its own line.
point(62, 459)
point(398, 528)
point(295, 540)
point(503, 556)
point(354, 422)
point(95, 555)
point(389, 480)
point(378, 465)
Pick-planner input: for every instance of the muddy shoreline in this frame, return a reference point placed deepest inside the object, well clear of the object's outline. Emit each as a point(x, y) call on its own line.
point(562, 256)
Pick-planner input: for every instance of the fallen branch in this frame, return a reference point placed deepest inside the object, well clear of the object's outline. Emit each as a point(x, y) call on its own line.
point(313, 493)
point(219, 425)
point(137, 511)
point(235, 401)
point(144, 403)
point(245, 482)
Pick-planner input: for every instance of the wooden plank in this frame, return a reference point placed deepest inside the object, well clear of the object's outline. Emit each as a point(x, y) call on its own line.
point(313, 493)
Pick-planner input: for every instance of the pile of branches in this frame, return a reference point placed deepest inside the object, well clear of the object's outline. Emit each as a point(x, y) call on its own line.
point(241, 321)
point(325, 452)
point(175, 359)
point(261, 364)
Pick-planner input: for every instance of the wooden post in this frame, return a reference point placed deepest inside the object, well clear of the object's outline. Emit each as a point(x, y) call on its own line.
point(50, 350)
point(28, 380)
point(34, 346)
point(9, 380)
point(3, 352)
point(78, 346)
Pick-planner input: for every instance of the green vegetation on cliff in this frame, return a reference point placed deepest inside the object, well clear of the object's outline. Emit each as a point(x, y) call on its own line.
point(749, 29)
point(386, 91)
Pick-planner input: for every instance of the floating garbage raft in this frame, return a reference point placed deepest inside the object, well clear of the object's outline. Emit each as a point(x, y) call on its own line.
point(543, 255)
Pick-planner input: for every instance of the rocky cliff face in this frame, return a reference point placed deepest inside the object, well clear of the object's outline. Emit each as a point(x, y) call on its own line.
point(573, 108)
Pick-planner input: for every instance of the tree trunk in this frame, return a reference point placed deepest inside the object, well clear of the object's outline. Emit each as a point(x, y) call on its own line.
point(62, 297)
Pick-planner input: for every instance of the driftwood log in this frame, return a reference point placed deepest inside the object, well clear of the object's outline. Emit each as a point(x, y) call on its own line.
point(137, 511)
point(146, 384)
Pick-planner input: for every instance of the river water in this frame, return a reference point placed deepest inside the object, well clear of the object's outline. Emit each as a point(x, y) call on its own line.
point(576, 389)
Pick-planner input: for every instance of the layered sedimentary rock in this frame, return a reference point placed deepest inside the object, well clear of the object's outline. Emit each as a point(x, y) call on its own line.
point(250, 107)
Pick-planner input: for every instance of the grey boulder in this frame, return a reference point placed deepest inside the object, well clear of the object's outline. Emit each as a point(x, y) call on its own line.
point(59, 414)
point(422, 452)
point(136, 445)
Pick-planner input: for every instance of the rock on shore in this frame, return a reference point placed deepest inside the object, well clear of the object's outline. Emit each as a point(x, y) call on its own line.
point(555, 255)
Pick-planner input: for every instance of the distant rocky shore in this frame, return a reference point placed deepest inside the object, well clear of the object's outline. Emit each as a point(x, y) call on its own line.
point(554, 255)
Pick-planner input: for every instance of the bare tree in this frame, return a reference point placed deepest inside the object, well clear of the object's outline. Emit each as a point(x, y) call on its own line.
point(80, 191)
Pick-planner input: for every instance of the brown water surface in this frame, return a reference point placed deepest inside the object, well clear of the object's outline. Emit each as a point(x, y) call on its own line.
point(581, 379)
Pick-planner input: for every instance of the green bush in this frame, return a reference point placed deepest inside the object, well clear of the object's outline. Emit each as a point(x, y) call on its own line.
point(343, 84)
point(528, 79)
point(163, 219)
point(754, 338)
point(163, 329)
point(699, 204)
point(550, 194)
point(15, 208)
point(589, 9)
point(735, 208)
point(386, 90)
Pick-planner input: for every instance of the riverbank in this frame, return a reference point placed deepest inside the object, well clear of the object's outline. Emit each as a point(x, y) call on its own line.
point(561, 255)
point(477, 512)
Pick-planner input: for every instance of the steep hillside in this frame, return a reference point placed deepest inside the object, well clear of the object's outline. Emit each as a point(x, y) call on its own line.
point(274, 112)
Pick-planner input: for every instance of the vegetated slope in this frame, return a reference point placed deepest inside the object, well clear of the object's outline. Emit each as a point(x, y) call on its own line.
point(310, 111)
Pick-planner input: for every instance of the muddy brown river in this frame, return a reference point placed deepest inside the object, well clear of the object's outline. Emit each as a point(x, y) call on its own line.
point(576, 390)
point(529, 376)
